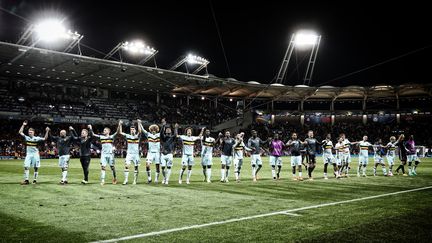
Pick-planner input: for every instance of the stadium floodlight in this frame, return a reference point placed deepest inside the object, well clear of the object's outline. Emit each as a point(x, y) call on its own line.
point(136, 48)
point(192, 60)
point(305, 38)
point(51, 30)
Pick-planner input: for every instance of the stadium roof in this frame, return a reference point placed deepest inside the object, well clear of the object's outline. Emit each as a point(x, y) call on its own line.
point(64, 68)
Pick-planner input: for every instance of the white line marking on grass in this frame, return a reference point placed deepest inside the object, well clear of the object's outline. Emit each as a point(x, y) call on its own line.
point(291, 214)
point(288, 212)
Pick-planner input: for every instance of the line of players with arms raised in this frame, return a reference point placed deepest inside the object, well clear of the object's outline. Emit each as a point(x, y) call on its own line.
point(161, 146)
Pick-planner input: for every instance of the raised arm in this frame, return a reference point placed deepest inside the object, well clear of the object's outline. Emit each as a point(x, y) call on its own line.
point(47, 130)
point(162, 131)
point(143, 129)
point(176, 127)
point(21, 130)
point(91, 133)
point(201, 133)
point(51, 137)
point(120, 128)
point(72, 133)
point(219, 139)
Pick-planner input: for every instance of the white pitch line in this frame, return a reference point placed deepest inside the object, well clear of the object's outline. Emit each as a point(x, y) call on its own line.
point(287, 212)
point(291, 214)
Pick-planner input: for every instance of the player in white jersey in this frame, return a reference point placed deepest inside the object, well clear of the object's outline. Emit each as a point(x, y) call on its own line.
point(328, 158)
point(378, 157)
point(363, 155)
point(391, 154)
point(188, 142)
point(238, 154)
point(346, 155)
point(133, 151)
point(207, 145)
point(340, 155)
point(32, 158)
point(347, 147)
point(412, 156)
point(107, 153)
point(153, 152)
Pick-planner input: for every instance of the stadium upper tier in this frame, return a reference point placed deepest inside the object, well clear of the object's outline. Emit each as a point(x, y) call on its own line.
point(58, 67)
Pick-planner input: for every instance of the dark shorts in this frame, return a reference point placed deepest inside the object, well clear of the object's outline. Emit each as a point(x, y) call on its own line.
point(311, 158)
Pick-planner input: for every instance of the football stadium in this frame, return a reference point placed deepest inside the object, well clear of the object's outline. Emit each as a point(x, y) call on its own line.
point(104, 142)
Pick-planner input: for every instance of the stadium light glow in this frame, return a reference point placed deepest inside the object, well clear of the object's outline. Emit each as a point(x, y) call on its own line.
point(202, 98)
point(174, 95)
point(51, 30)
point(193, 59)
point(231, 99)
point(305, 38)
point(138, 47)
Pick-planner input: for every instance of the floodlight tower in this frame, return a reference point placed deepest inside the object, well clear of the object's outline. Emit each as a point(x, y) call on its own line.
point(134, 48)
point(301, 40)
point(50, 31)
point(191, 60)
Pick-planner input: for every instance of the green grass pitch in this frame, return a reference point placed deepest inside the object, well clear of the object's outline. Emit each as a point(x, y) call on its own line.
point(49, 212)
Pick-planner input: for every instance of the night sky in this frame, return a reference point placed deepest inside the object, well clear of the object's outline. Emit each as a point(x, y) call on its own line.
point(255, 35)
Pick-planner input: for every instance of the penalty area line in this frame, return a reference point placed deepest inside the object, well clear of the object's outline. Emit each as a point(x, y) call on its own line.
point(290, 212)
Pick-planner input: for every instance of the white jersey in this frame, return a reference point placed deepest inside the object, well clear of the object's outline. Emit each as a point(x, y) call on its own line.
point(32, 144)
point(346, 144)
point(328, 147)
point(364, 148)
point(340, 147)
point(391, 148)
point(107, 143)
point(153, 142)
point(188, 144)
point(207, 146)
point(132, 143)
point(238, 150)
